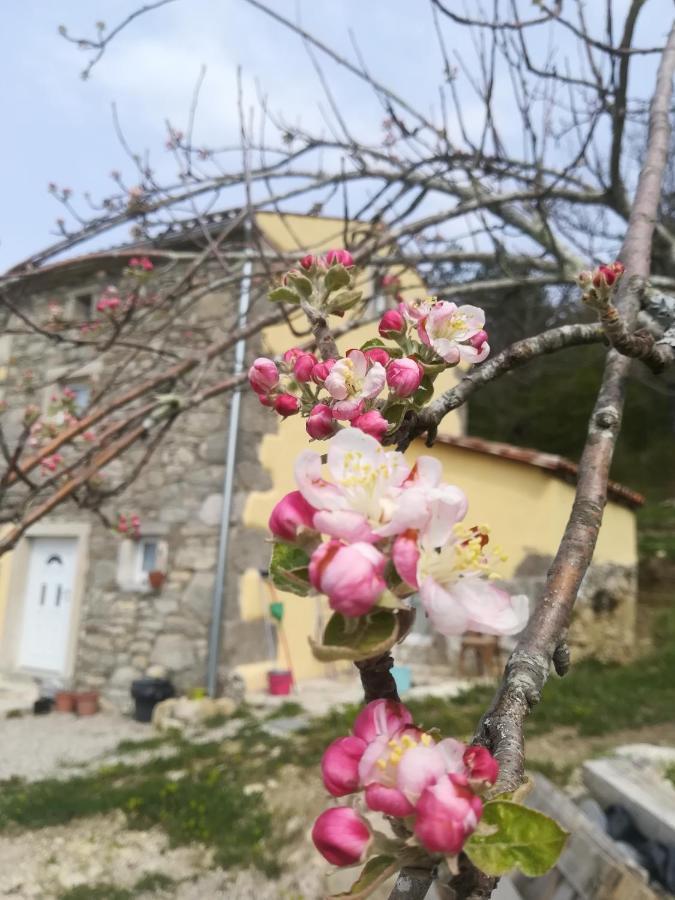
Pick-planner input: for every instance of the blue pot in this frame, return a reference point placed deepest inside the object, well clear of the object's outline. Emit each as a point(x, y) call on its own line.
point(403, 677)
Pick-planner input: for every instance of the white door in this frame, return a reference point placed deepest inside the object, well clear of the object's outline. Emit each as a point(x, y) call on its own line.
point(47, 606)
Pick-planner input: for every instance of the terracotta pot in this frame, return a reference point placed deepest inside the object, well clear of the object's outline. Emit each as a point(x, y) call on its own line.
point(65, 701)
point(86, 703)
point(156, 579)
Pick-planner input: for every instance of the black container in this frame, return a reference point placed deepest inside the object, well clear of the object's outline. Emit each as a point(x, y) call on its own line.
point(147, 693)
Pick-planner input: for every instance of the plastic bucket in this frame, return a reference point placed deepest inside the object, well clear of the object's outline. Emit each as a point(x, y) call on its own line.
point(279, 682)
point(402, 675)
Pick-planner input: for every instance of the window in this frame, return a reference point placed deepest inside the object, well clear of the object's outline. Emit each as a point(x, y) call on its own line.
point(83, 306)
point(81, 396)
point(148, 555)
point(137, 558)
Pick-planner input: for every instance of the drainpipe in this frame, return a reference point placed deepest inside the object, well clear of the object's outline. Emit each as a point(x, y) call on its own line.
point(215, 630)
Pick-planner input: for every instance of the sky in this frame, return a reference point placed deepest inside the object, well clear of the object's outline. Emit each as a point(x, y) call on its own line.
point(59, 128)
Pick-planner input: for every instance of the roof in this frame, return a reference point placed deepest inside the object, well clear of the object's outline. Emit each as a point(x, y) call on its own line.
point(558, 465)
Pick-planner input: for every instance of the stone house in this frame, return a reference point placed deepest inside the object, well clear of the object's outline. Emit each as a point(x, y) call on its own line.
point(75, 603)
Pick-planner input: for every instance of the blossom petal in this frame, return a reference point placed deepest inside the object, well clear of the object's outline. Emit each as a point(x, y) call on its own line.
point(344, 524)
point(318, 492)
point(446, 613)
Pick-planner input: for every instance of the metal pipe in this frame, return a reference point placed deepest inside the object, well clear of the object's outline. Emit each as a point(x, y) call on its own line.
point(215, 629)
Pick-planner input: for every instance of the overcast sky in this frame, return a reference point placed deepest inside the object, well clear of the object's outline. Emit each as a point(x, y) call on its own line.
point(59, 128)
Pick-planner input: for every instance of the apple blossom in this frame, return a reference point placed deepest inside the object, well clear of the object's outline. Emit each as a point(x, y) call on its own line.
point(483, 768)
point(286, 405)
point(291, 355)
point(303, 367)
point(263, 375)
point(377, 354)
point(321, 371)
point(447, 327)
point(307, 261)
point(347, 410)
point(392, 323)
point(351, 575)
point(342, 836)
point(340, 257)
point(351, 380)
point(372, 423)
point(290, 513)
point(320, 423)
point(446, 814)
point(404, 376)
point(340, 765)
point(381, 717)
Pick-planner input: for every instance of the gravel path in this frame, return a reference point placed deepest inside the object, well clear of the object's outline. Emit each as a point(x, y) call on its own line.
point(35, 747)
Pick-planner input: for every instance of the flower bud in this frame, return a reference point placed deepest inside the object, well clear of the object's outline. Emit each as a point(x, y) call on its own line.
point(377, 354)
point(320, 423)
point(584, 278)
point(404, 376)
point(340, 765)
point(392, 323)
point(307, 261)
point(342, 836)
point(303, 367)
point(478, 340)
point(286, 405)
point(447, 813)
point(343, 257)
point(290, 356)
point(266, 399)
point(372, 423)
point(483, 767)
point(321, 371)
point(350, 575)
point(290, 513)
point(263, 375)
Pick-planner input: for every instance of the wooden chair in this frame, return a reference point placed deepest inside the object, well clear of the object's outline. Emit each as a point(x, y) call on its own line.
point(486, 652)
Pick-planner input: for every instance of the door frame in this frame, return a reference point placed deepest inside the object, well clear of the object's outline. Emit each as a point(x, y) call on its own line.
point(17, 581)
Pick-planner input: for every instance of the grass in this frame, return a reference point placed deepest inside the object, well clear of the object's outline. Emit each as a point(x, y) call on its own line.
point(96, 892)
point(670, 774)
point(656, 531)
point(154, 882)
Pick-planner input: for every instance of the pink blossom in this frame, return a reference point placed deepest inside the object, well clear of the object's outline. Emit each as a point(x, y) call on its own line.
point(342, 836)
point(320, 422)
point(289, 515)
point(483, 768)
point(340, 765)
point(307, 261)
point(351, 575)
point(344, 525)
point(372, 423)
point(446, 814)
point(321, 371)
point(379, 718)
point(266, 399)
point(377, 354)
point(286, 405)
point(392, 323)
point(263, 375)
point(404, 376)
point(304, 364)
point(341, 257)
point(472, 604)
point(291, 355)
point(351, 378)
point(448, 327)
point(405, 555)
point(347, 410)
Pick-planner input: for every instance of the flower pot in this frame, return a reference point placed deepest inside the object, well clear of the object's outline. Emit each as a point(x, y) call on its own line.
point(156, 579)
point(86, 703)
point(65, 701)
point(279, 682)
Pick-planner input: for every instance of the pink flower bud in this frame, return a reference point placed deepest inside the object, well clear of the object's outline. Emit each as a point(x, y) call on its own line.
point(291, 355)
point(291, 513)
point(320, 423)
point(266, 399)
point(447, 813)
point(377, 354)
point(307, 261)
point(342, 836)
point(381, 717)
point(321, 371)
point(303, 367)
point(263, 375)
point(340, 765)
point(478, 340)
point(372, 423)
point(341, 257)
point(391, 323)
point(585, 278)
point(286, 405)
point(483, 767)
point(404, 376)
point(350, 575)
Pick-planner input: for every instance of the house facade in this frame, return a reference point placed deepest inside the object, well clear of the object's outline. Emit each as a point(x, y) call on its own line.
point(76, 605)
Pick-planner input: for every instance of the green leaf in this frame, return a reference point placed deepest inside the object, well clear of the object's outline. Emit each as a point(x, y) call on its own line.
point(336, 277)
point(288, 569)
point(301, 283)
point(343, 301)
point(373, 342)
point(524, 838)
point(356, 638)
point(373, 874)
point(283, 295)
point(424, 392)
point(394, 413)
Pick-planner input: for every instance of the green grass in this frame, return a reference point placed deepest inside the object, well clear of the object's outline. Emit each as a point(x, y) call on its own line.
point(656, 530)
point(154, 882)
point(96, 892)
point(152, 743)
point(670, 774)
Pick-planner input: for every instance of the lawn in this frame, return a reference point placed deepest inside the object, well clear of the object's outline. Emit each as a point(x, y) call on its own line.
point(196, 791)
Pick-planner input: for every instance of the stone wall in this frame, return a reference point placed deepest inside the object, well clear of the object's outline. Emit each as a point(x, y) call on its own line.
point(178, 497)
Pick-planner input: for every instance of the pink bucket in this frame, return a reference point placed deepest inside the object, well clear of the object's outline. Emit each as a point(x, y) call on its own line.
point(279, 682)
